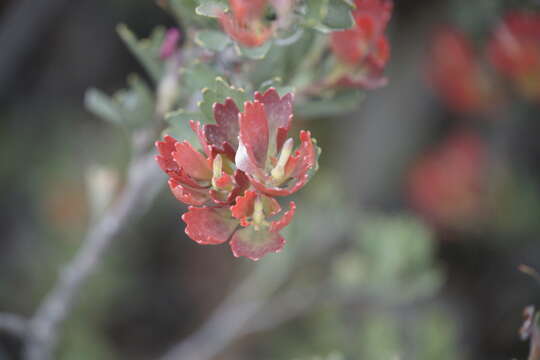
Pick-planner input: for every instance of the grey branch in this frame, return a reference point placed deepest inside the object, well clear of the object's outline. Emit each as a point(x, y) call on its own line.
point(240, 312)
point(144, 181)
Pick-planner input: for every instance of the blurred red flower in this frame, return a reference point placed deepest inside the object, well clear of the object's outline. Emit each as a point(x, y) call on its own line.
point(456, 74)
point(446, 184)
point(364, 50)
point(514, 51)
point(245, 22)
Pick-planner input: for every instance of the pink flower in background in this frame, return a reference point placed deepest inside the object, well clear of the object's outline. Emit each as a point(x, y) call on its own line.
point(170, 44)
point(456, 74)
point(446, 184)
point(245, 160)
point(364, 50)
point(514, 51)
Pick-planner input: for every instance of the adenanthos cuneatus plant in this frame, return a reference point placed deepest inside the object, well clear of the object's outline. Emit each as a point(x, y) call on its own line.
point(245, 161)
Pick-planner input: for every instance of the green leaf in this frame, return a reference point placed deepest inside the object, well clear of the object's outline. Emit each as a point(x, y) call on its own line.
point(180, 127)
point(217, 93)
point(211, 8)
point(212, 39)
point(316, 11)
point(132, 107)
point(339, 15)
point(102, 106)
point(341, 103)
point(137, 102)
point(276, 83)
point(146, 50)
point(254, 53)
point(184, 10)
point(198, 76)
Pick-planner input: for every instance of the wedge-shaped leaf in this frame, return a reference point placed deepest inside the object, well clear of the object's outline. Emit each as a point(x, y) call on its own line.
point(132, 107)
point(198, 76)
point(339, 15)
point(254, 53)
point(217, 93)
point(136, 103)
point(145, 50)
point(212, 40)
point(180, 127)
point(328, 15)
point(315, 12)
point(211, 8)
point(184, 11)
point(103, 106)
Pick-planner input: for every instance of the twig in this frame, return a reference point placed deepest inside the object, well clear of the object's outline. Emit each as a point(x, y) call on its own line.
point(12, 324)
point(232, 318)
point(144, 181)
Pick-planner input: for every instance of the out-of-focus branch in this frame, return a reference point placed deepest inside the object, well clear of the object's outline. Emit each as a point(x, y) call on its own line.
point(144, 181)
point(237, 315)
point(12, 324)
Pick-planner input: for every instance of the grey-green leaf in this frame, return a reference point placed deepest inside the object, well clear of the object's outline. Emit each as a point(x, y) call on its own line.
point(211, 8)
point(102, 106)
point(146, 50)
point(256, 53)
point(212, 39)
point(339, 15)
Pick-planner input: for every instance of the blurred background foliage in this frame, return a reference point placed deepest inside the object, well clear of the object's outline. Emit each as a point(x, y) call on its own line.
point(379, 265)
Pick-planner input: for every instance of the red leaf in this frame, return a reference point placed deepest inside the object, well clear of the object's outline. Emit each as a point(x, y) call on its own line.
point(244, 207)
point(165, 158)
point(192, 161)
point(285, 219)
point(226, 128)
point(279, 112)
point(254, 132)
point(187, 194)
point(209, 226)
point(254, 244)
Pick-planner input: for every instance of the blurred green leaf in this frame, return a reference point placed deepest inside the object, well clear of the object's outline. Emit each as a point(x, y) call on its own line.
point(212, 39)
point(316, 11)
point(328, 15)
point(137, 102)
point(102, 106)
point(256, 53)
point(146, 50)
point(339, 16)
point(184, 10)
point(198, 76)
point(132, 107)
point(211, 8)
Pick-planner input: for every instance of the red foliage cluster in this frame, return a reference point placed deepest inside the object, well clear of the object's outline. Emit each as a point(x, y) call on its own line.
point(515, 51)
point(445, 185)
point(246, 161)
point(364, 50)
point(456, 74)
